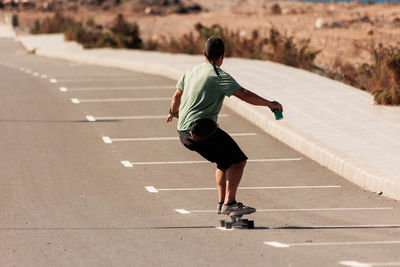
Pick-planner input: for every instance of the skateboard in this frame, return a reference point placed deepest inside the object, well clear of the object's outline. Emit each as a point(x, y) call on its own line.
point(237, 221)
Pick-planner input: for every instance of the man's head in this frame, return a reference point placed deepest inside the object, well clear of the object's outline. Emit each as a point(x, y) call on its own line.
point(214, 49)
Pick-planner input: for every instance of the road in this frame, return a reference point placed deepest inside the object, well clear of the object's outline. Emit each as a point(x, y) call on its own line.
point(91, 175)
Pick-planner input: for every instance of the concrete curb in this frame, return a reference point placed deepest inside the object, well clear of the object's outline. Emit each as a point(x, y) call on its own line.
point(349, 167)
point(341, 163)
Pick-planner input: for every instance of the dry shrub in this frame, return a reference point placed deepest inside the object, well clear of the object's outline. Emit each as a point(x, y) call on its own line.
point(276, 9)
point(286, 50)
point(276, 47)
point(56, 24)
point(126, 34)
point(381, 77)
point(122, 34)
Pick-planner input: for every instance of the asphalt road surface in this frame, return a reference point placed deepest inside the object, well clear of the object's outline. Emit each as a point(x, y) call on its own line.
point(91, 175)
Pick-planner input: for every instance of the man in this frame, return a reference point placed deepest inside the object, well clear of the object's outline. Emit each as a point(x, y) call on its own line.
point(197, 103)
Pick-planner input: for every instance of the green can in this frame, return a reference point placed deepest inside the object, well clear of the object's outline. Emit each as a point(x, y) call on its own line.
point(278, 115)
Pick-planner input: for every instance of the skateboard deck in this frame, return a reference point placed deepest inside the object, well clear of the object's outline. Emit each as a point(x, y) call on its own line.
point(237, 221)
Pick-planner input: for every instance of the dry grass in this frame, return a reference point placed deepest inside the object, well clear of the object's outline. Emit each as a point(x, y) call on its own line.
point(381, 78)
point(56, 24)
point(275, 47)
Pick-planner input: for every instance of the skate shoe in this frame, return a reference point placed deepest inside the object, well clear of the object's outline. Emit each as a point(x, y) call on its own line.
point(237, 209)
point(219, 208)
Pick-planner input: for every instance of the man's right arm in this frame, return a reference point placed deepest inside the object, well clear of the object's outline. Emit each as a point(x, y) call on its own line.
point(175, 103)
point(254, 99)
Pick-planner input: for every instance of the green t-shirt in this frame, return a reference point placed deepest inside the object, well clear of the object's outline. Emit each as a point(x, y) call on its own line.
point(203, 94)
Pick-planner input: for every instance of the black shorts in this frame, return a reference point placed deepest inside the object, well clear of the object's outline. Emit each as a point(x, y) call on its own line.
point(220, 148)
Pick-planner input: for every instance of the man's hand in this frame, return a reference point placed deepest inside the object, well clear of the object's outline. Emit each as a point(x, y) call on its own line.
point(275, 105)
point(170, 117)
point(176, 101)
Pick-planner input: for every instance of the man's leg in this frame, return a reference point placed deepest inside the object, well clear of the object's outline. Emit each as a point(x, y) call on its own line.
point(233, 176)
point(220, 176)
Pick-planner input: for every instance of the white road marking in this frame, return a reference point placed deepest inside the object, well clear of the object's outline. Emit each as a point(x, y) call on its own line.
point(28, 71)
point(126, 164)
point(354, 264)
point(43, 76)
point(107, 140)
point(35, 74)
point(75, 100)
point(169, 162)
point(137, 99)
point(53, 80)
point(92, 118)
point(369, 264)
point(253, 188)
point(121, 88)
point(276, 244)
point(223, 228)
point(300, 210)
point(283, 245)
point(151, 189)
point(111, 140)
point(347, 226)
point(182, 211)
point(63, 89)
point(205, 161)
point(144, 139)
point(101, 79)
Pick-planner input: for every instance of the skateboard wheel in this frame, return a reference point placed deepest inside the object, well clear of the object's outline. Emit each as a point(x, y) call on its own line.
point(222, 223)
point(250, 225)
point(245, 220)
point(228, 225)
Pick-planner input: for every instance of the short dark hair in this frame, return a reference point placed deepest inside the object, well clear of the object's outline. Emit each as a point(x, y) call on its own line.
point(214, 48)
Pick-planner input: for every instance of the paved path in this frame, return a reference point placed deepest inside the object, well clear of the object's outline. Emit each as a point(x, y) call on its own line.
point(6, 30)
point(82, 185)
point(334, 124)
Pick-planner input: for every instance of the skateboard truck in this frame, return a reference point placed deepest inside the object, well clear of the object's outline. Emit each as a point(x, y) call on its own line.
point(238, 222)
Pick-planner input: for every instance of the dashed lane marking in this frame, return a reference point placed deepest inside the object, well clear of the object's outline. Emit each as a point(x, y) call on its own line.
point(296, 210)
point(126, 164)
point(276, 244)
point(137, 99)
point(109, 140)
point(100, 79)
point(283, 245)
point(224, 229)
point(205, 161)
point(76, 89)
point(93, 119)
point(152, 189)
point(90, 118)
point(369, 264)
point(182, 211)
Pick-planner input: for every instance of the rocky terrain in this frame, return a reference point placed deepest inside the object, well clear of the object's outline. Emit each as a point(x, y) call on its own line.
point(340, 30)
